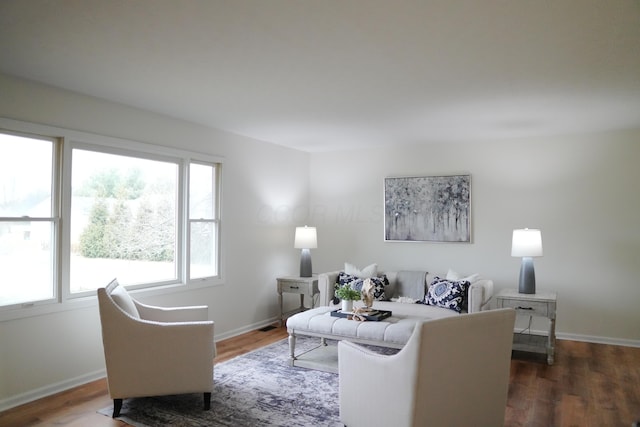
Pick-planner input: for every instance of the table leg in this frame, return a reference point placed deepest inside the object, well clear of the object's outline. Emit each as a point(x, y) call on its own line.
point(552, 342)
point(301, 302)
point(281, 308)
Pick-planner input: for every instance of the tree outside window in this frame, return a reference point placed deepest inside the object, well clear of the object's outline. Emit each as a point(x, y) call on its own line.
point(123, 220)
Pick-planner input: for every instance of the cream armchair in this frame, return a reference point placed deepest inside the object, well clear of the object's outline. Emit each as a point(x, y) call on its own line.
point(154, 351)
point(452, 372)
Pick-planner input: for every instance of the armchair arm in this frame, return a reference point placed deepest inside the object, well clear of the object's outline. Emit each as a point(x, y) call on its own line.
point(365, 373)
point(325, 286)
point(172, 314)
point(480, 294)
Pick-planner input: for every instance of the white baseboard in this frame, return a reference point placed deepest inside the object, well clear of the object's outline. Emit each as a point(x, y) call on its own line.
point(247, 328)
point(599, 340)
point(588, 338)
point(50, 389)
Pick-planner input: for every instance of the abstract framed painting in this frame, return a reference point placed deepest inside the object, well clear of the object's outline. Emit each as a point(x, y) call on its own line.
point(427, 209)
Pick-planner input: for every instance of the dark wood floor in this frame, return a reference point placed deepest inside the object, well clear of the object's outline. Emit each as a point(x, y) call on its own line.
point(590, 385)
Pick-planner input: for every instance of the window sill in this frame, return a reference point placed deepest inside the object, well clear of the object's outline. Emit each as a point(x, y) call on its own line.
point(81, 303)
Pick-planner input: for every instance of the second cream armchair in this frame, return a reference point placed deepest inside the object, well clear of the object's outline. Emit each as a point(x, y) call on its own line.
point(452, 372)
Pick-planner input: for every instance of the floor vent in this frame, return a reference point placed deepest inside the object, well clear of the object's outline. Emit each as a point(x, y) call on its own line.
point(267, 328)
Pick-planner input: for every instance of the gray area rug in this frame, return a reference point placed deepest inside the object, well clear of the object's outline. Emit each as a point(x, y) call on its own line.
point(255, 389)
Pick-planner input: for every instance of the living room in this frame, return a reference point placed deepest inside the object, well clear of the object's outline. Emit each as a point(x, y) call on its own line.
point(578, 187)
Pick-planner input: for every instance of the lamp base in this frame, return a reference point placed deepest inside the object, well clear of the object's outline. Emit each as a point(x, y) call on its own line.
point(305, 263)
point(527, 283)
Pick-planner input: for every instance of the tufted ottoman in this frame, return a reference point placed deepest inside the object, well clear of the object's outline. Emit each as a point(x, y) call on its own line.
point(393, 332)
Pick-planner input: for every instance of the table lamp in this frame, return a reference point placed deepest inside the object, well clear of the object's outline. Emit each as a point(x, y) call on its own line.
point(526, 243)
point(305, 239)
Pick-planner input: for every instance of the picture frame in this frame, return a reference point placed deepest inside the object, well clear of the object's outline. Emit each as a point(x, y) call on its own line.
point(427, 209)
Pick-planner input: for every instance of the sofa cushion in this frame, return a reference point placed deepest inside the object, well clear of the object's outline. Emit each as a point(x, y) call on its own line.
point(415, 310)
point(448, 294)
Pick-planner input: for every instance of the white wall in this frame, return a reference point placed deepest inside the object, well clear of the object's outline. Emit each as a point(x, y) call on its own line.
point(43, 354)
point(581, 191)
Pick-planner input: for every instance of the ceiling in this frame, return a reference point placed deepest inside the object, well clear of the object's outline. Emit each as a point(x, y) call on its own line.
point(321, 75)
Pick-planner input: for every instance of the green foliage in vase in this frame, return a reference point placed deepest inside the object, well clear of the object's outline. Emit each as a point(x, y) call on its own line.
point(346, 292)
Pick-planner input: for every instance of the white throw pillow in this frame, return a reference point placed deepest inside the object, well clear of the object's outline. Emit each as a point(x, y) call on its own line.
point(368, 271)
point(124, 301)
point(456, 277)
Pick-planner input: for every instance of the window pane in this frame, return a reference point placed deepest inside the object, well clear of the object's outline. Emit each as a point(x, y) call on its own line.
point(25, 176)
point(123, 220)
point(26, 261)
point(26, 257)
point(201, 191)
point(203, 249)
point(203, 239)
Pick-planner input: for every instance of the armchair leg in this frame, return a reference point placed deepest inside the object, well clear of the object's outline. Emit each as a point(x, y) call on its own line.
point(117, 405)
point(207, 401)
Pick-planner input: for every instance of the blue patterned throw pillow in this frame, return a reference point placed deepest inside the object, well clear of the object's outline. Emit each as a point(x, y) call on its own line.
point(379, 283)
point(448, 294)
point(345, 279)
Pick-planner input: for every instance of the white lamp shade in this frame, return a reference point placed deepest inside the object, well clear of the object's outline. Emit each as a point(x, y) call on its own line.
point(526, 243)
point(306, 238)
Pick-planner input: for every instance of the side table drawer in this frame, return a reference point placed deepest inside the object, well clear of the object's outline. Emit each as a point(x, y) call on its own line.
point(534, 308)
point(293, 287)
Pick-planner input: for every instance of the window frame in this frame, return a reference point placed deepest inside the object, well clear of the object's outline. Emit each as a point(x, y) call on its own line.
point(53, 219)
point(125, 152)
point(214, 220)
point(65, 141)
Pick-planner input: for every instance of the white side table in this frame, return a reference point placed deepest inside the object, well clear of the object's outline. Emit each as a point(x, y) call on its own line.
point(297, 285)
point(540, 304)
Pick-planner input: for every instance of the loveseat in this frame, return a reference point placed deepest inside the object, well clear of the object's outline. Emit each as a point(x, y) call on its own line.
point(406, 288)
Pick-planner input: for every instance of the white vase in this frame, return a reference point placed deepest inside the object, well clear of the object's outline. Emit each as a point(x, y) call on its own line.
point(347, 306)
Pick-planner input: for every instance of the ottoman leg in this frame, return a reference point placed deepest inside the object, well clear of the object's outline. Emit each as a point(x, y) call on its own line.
point(292, 348)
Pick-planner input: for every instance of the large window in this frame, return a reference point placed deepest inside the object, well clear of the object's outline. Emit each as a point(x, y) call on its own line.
point(77, 211)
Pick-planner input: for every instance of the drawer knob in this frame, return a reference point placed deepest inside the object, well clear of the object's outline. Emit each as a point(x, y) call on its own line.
point(524, 308)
